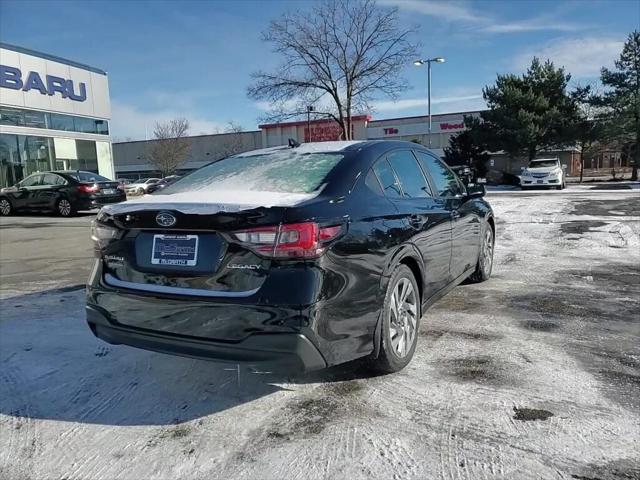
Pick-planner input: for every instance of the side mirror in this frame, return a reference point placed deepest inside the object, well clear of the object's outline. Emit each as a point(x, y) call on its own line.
point(476, 190)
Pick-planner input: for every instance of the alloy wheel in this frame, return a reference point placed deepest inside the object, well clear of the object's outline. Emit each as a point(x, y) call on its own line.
point(64, 207)
point(5, 207)
point(403, 319)
point(487, 250)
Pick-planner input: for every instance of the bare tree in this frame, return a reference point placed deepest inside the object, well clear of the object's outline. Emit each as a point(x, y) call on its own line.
point(169, 149)
point(232, 140)
point(343, 52)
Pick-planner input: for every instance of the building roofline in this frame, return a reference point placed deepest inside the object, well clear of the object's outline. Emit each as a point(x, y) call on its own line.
point(316, 121)
point(192, 136)
point(46, 56)
point(425, 116)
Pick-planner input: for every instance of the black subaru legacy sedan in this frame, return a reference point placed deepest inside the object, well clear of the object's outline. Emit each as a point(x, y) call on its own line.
point(62, 192)
point(300, 257)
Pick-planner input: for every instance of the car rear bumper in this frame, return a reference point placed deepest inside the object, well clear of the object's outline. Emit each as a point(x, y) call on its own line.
point(287, 351)
point(97, 202)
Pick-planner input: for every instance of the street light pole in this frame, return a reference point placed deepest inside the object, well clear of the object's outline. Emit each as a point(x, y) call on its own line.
point(428, 62)
point(309, 110)
point(429, 98)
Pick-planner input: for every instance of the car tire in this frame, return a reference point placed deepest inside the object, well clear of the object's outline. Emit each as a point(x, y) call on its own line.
point(485, 258)
point(400, 317)
point(140, 191)
point(6, 208)
point(65, 208)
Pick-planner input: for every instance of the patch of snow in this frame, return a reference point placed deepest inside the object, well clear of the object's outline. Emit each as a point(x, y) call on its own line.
point(207, 202)
point(311, 147)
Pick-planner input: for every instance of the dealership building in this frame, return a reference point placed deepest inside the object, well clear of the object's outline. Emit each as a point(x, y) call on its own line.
point(130, 161)
point(54, 115)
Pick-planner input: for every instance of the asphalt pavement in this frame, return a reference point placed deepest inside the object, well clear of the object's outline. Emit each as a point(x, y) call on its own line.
point(533, 374)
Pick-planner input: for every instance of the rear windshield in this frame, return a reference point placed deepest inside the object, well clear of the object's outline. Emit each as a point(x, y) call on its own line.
point(88, 177)
point(543, 163)
point(282, 171)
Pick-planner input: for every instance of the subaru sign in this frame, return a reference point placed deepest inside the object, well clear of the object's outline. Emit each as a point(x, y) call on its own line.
point(11, 77)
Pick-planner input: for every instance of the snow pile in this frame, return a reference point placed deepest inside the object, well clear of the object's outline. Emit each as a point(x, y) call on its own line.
point(207, 202)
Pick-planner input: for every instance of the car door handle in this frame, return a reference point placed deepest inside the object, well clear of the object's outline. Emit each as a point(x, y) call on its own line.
point(455, 214)
point(417, 221)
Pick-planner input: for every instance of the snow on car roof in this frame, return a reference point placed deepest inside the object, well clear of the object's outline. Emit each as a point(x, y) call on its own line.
point(311, 147)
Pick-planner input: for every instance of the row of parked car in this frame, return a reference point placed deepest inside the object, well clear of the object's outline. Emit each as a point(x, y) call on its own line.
point(147, 185)
point(65, 192)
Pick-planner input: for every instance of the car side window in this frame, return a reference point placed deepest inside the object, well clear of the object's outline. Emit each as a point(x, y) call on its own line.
point(371, 181)
point(52, 179)
point(31, 181)
point(414, 184)
point(390, 184)
point(444, 180)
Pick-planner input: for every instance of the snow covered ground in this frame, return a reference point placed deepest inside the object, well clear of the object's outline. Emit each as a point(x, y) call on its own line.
point(533, 374)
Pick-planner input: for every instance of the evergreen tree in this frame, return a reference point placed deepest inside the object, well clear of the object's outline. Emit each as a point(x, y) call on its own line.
point(469, 148)
point(622, 97)
point(529, 113)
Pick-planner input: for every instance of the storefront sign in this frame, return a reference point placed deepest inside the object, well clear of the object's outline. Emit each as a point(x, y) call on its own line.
point(324, 132)
point(11, 77)
point(451, 126)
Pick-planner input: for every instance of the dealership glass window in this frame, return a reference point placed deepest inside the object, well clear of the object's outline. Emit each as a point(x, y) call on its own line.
point(35, 119)
point(22, 155)
point(102, 127)
point(53, 121)
point(87, 156)
point(61, 122)
point(11, 116)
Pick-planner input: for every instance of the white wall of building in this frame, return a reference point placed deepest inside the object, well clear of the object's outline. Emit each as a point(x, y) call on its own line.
point(96, 105)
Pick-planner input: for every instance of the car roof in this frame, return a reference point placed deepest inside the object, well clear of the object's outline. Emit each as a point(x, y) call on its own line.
point(335, 146)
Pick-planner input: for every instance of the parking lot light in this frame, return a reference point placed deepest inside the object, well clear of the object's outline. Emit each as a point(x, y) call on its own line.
point(428, 61)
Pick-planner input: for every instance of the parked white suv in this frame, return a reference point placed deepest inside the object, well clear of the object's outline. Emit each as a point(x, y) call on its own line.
point(140, 186)
point(543, 172)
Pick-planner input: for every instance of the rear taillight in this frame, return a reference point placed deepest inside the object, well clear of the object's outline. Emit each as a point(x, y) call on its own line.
point(294, 240)
point(88, 188)
point(103, 235)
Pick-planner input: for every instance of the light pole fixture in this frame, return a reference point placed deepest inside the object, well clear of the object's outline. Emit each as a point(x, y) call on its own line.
point(309, 110)
point(419, 63)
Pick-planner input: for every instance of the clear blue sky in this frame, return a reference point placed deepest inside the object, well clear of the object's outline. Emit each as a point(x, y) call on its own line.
point(193, 59)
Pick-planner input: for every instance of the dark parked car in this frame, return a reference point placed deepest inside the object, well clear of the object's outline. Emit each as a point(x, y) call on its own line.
point(165, 182)
point(308, 256)
point(62, 192)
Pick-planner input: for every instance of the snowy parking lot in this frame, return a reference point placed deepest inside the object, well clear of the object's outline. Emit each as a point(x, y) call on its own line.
point(533, 374)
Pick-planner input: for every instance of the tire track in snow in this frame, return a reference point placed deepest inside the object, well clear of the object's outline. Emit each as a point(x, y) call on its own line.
point(22, 430)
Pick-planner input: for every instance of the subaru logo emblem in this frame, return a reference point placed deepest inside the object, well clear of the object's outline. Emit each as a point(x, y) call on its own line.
point(165, 219)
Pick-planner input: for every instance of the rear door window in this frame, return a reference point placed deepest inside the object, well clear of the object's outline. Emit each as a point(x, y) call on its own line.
point(444, 180)
point(414, 184)
point(371, 181)
point(51, 179)
point(388, 180)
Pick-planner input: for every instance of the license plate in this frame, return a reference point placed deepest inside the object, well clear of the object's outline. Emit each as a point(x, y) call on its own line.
point(108, 191)
point(540, 181)
point(181, 250)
